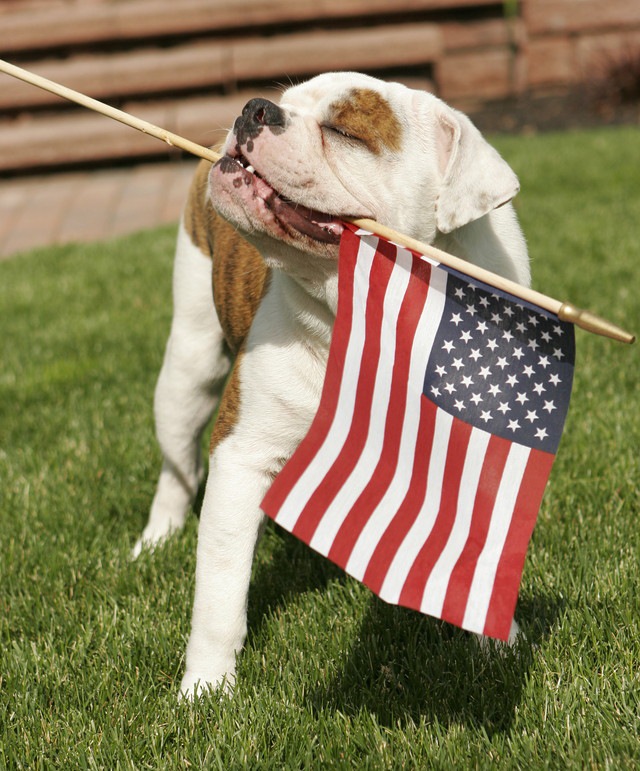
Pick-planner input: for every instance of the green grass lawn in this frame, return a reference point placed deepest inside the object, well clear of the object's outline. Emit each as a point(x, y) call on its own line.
point(92, 644)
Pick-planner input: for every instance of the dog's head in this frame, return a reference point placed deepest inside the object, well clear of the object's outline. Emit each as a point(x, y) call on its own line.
point(348, 145)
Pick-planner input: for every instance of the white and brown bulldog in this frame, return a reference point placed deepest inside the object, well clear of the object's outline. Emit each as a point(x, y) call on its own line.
point(340, 145)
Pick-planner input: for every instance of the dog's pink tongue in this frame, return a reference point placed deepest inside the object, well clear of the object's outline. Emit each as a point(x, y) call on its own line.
point(321, 227)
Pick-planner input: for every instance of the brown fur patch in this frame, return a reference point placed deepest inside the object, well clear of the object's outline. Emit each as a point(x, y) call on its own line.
point(369, 117)
point(239, 273)
point(199, 215)
point(229, 407)
point(240, 279)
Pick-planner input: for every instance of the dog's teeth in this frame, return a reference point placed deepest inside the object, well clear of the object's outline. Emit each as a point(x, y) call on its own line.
point(250, 169)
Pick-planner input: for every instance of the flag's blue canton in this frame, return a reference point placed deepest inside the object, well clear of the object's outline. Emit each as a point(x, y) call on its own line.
point(501, 365)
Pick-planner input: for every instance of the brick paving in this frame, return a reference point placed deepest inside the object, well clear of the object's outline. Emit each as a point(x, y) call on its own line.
point(84, 206)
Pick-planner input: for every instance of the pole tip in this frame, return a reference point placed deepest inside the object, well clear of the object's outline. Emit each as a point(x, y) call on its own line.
point(592, 323)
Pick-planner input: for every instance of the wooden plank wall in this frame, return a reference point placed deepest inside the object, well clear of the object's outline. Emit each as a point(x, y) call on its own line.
point(189, 65)
point(571, 42)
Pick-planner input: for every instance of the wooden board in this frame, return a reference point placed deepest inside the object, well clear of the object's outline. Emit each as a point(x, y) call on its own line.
point(214, 63)
point(61, 25)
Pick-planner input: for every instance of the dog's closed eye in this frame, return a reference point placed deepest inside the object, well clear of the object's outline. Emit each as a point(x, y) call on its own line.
point(342, 132)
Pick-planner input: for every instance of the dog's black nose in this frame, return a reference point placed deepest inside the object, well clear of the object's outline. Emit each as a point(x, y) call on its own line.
point(262, 112)
point(257, 114)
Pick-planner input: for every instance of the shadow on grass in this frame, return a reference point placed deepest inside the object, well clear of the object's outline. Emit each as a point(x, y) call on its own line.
point(405, 667)
point(287, 569)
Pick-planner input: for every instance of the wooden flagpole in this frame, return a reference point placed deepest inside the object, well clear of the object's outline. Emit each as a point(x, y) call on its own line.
point(564, 310)
point(111, 112)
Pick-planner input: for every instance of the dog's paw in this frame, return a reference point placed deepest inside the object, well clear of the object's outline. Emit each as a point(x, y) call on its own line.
point(487, 644)
point(141, 544)
point(514, 634)
point(152, 537)
point(195, 684)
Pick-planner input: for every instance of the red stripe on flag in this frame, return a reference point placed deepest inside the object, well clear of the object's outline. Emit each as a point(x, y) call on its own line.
point(413, 589)
point(507, 581)
point(351, 450)
point(277, 493)
point(455, 601)
point(385, 469)
point(408, 511)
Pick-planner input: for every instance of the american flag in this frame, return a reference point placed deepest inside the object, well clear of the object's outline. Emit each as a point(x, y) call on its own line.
point(442, 409)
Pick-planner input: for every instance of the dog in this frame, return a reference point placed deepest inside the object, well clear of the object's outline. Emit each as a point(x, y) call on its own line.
point(265, 223)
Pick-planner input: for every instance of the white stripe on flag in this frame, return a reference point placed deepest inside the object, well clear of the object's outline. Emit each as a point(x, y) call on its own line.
point(419, 531)
point(487, 564)
point(436, 587)
point(327, 454)
point(353, 486)
point(382, 515)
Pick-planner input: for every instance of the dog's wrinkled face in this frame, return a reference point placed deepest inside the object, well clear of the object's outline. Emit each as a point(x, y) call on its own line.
point(348, 145)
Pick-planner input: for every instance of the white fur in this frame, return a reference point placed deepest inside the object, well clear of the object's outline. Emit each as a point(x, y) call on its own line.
point(191, 379)
point(443, 186)
point(280, 388)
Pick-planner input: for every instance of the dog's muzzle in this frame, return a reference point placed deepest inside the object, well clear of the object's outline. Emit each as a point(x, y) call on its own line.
point(258, 114)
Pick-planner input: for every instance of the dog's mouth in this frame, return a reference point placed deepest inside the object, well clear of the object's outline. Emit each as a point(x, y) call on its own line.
point(320, 226)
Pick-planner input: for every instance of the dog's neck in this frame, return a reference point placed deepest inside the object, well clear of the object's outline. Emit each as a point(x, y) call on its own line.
point(306, 288)
point(309, 308)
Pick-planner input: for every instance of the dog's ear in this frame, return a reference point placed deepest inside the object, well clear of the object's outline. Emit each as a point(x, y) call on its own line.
point(475, 179)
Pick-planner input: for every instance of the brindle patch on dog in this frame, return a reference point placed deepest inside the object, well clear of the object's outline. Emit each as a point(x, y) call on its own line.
point(239, 273)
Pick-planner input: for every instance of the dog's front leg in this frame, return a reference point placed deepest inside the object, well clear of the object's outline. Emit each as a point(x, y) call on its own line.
point(229, 525)
point(266, 410)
